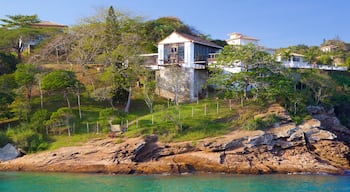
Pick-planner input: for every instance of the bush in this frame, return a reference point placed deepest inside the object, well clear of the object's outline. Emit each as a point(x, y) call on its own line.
point(271, 119)
point(254, 124)
point(4, 139)
point(27, 139)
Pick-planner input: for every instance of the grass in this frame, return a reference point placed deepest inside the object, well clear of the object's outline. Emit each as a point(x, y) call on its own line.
point(187, 122)
point(191, 121)
point(59, 141)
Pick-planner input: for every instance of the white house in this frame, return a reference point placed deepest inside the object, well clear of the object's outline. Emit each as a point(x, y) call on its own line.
point(297, 61)
point(328, 48)
point(240, 39)
point(187, 56)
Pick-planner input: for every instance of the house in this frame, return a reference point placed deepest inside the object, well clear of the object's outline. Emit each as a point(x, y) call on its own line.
point(296, 61)
point(182, 63)
point(328, 48)
point(48, 24)
point(240, 39)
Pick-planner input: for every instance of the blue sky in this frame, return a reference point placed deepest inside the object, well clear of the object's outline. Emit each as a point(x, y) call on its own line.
point(277, 23)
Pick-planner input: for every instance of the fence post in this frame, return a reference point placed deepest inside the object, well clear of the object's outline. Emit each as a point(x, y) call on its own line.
point(230, 105)
point(192, 112)
point(97, 127)
point(205, 110)
point(217, 107)
point(127, 123)
point(87, 127)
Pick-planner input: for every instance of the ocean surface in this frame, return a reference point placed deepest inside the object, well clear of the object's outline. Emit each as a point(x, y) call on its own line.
point(28, 182)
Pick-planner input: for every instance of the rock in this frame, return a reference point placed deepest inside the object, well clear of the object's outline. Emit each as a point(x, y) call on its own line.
point(284, 131)
point(317, 135)
point(9, 152)
point(311, 123)
point(315, 109)
point(264, 139)
point(277, 110)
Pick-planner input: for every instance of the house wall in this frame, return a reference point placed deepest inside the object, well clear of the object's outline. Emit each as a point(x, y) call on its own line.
point(200, 79)
point(174, 79)
point(160, 54)
point(189, 55)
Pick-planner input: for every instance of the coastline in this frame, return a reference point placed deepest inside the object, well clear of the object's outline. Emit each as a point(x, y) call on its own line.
point(316, 146)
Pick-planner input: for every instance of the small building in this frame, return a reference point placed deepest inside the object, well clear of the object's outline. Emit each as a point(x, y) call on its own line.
point(48, 24)
point(240, 39)
point(328, 48)
point(182, 62)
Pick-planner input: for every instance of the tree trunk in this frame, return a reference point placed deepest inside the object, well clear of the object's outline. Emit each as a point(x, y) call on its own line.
point(79, 106)
point(41, 96)
point(128, 102)
point(65, 95)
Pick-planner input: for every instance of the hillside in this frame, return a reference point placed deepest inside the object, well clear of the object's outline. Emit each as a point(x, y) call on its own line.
point(287, 148)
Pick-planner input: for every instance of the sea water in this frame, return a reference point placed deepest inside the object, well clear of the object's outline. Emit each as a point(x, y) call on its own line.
point(28, 182)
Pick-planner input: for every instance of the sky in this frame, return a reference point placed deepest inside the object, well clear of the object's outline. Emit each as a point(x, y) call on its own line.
point(277, 23)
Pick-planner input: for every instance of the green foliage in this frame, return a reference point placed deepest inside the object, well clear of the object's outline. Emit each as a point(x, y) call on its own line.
point(105, 115)
point(27, 139)
point(58, 80)
point(325, 60)
point(254, 124)
point(19, 20)
point(5, 99)
point(25, 77)
point(4, 139)
point(156, 30)
point(7, 63)
point(37, 121)
point(258, 69)
point(60, 120)
point(261, 124)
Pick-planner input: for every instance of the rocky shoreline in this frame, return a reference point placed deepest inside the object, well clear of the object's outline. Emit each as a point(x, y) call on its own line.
point(316, 146)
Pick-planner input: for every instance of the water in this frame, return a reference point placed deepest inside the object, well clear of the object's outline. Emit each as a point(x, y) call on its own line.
point(28, 182)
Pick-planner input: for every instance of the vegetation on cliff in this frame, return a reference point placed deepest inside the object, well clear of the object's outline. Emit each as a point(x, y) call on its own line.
point(78, 81)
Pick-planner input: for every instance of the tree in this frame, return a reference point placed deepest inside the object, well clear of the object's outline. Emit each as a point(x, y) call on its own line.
point(7, 63)
point(7, 95)
point(311, 54)
point(256, 68)
point(320, 85)
point(61, 119)
point(25, 76)
point(149, 90)
point(59, 80)
point(158, 29)
point(14, 21)
point(37, 121)
point(325, 59)
point(18, 33)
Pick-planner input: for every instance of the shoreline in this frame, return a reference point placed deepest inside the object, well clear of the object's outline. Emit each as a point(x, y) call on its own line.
point(285, 149)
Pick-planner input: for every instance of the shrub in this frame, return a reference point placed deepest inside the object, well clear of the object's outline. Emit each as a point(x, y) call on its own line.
point(4, 139)
point(255, 124)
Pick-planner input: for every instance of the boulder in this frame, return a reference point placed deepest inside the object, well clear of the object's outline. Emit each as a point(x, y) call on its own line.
point(9, 152)
point(264, 139)
point(315, 135)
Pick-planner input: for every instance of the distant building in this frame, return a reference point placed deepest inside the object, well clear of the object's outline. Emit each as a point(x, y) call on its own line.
point(240, 39)
point(48, 24)
point(297, 61)
point(328, 48)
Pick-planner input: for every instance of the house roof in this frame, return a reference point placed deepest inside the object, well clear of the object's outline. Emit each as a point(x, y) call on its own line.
point(192, 38)
point(236, 35)
point(48, 24)
point(329, 46)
